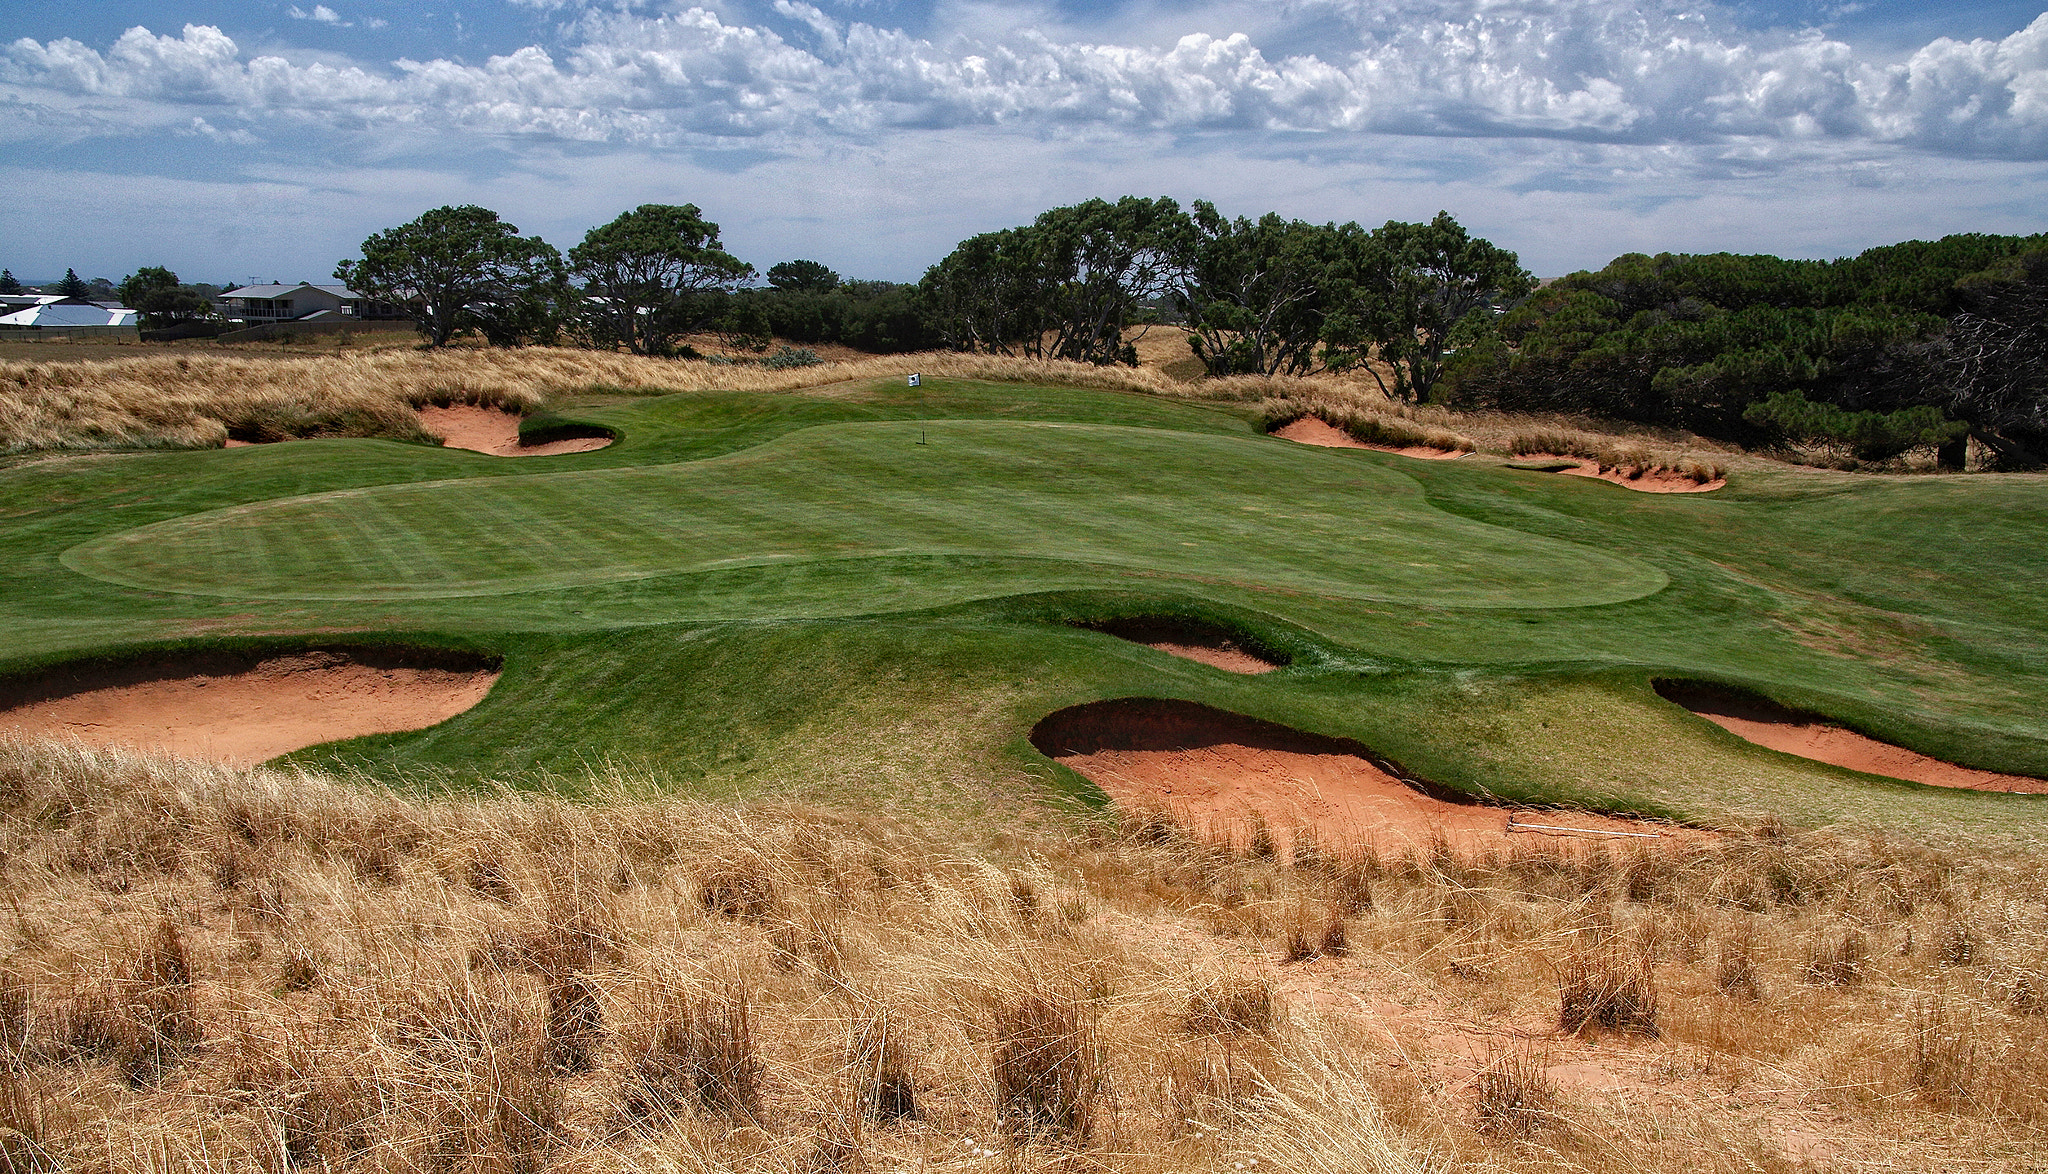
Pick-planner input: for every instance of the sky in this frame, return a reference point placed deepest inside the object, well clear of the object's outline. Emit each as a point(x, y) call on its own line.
point(253, 140)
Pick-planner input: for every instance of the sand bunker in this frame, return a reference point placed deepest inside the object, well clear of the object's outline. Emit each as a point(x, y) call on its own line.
point(242, 709)
point(1211, 646)
point(1312, 430)
point(488, 430)
point(1783, 730)
point(1223, 772)
point(1653, 481)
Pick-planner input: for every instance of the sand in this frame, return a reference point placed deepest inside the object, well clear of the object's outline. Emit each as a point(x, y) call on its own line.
point(1847, 748)
point(1222, 772)
point(1655, 481)
point(487, 430)
point(1230, 660)
point(246, 715)
point(1312, 430)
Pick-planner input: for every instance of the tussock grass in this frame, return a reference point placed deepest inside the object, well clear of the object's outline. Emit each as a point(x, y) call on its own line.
point(200, 400)
point(1631, 460)
point(962, 995)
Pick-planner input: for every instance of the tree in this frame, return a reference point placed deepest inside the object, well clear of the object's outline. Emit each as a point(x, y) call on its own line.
point(1276, 296)
point(451, 267)
point(1996, 356)
point(802, 277)
point(73, 286)
point(645, 274)
point(8, 284)
point(1439, 275)
point(161, 297)
point(1066, 287)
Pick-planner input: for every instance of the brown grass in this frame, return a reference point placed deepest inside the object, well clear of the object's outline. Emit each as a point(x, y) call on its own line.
point(200, 399)
point(964, 996)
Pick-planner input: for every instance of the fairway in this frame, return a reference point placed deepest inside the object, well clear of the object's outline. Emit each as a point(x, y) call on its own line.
point(1198, 507)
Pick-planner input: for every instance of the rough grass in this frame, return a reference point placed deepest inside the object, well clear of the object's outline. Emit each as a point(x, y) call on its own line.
point(200, 400)
point(343, 996)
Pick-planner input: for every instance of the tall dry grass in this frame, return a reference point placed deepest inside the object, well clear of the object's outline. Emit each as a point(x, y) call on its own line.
point(224, 969)
point(200, 400)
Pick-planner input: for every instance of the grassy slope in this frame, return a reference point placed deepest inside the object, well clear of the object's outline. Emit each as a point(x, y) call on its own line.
point(1910, 608)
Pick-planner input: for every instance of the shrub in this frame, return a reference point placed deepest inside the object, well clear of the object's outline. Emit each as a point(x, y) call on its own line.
point(791, 356)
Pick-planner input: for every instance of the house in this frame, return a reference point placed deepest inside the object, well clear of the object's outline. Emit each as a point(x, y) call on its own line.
point(70, 316)
point(255, 304)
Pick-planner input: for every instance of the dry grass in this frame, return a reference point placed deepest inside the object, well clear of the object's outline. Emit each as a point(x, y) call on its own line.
point(199, 400)
point(202, 398)
point(520, 983)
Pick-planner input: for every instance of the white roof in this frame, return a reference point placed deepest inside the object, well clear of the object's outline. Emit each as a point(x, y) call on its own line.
point(278, 291)
point(73, 315)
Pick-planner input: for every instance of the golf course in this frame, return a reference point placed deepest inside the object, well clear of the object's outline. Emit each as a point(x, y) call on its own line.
point(1034, 767)
point(877, 590)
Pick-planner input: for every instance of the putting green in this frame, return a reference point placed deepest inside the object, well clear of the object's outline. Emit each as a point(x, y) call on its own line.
point(1201, 507)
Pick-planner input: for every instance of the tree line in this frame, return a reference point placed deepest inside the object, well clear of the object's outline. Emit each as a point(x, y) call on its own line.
point(644, 283)
point(1909, 346)
point(1925, 344)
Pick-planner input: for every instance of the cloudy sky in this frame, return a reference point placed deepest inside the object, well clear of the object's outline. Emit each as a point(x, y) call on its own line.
point(248, 139)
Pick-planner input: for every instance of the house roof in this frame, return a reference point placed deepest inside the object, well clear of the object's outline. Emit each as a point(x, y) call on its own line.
point(70, 315)
point(277, 291)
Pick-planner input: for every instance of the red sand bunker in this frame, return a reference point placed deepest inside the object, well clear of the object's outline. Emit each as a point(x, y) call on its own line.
point(1225, 772)
point(1788, 733)
point(1230, 660)
point(242, 713)
point(1653, 481)
point(1214, 648)
point(487, 430)
point(1322, 434)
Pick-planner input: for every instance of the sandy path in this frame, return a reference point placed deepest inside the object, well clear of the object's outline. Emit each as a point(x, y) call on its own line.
point(246, 717)
point(1221, 772)
point(1312, 430)
point(1846, 748)
point(487, 430)
point(1656, 481)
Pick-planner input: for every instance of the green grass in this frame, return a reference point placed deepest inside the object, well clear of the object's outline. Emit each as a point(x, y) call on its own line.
point(789, 592)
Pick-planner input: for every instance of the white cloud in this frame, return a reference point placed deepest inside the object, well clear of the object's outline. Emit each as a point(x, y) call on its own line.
point(1595, 70)
point(320, 13)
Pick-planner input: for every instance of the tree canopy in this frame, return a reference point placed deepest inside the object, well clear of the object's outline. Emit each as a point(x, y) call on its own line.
point(1765, 350)
point(802, 277)
point(646, 273)
point(161, 298)
point(454, 268)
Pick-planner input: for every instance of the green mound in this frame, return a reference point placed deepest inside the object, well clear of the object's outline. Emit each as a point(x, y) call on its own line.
point(1190, 506)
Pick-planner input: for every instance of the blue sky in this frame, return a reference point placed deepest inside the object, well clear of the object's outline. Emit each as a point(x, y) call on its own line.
point(261, 140)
